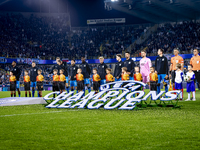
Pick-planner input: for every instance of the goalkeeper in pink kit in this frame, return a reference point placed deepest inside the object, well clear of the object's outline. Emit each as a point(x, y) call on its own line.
point(145, 64)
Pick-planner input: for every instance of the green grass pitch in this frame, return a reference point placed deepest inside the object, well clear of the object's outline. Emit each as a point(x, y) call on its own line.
point(36, 127)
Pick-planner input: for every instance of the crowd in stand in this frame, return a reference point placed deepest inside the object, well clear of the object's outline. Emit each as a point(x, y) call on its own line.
point(103, 41)
point(33, 37)
point(184, 36)
point(50, 37)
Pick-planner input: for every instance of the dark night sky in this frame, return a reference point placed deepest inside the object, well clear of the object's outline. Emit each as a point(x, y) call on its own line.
point(80, 10)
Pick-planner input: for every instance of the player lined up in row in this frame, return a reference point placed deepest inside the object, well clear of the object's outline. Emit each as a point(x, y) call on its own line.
point(163, 72)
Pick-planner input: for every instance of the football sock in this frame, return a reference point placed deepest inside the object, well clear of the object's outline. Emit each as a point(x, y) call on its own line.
point(158, 89)
point(89, 89)
point(67, 89)
point(166, 89)
point(188, 95)
point(19, 93)
point(33, 93)
point(29, 94)
point(193, 93)
point(182, 92)
point(41, 94)
point(84, 91)
point(72, 90)
point(181, 96)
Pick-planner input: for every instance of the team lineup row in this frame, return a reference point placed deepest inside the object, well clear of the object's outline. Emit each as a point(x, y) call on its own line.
point(79, 77)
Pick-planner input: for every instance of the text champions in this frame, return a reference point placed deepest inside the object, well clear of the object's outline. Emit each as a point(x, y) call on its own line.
point(112, 95)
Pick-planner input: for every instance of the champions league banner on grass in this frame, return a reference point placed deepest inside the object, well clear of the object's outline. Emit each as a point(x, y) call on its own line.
point(120, 94)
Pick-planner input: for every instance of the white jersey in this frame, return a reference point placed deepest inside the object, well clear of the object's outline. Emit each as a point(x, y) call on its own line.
point(179, 76)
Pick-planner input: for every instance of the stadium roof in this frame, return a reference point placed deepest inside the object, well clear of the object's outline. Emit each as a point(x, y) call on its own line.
point(158, 11)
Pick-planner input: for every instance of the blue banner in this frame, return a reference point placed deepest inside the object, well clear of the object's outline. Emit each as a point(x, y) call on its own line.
point(90, 61)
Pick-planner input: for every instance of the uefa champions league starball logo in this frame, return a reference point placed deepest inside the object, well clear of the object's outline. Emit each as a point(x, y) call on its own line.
point(120, 94)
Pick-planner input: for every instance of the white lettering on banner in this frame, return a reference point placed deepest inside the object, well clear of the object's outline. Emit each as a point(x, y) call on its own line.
point(112, 20)
point(153, 95)
point(109, 104)
point(60, 97)
point(114, 93)
point(128, 104)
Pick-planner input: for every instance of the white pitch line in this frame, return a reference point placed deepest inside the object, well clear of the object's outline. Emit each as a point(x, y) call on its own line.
point(34, 113)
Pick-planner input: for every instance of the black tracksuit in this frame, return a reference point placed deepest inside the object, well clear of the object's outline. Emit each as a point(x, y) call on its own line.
point(161, 65)
point(73, 72)
point(56, 66)
point(86, 71)
point(118, 69)
point(33, 74)
point(130, 65)
point(16, 72)
point(102, 70)
point(59, 67)
point(64, 67)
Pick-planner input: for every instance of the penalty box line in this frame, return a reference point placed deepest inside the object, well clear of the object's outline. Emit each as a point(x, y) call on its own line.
point(35, 113)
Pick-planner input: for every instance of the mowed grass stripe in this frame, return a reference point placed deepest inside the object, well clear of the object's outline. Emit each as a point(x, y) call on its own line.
point(101, 130)
point(34, 113)
point(148, 128)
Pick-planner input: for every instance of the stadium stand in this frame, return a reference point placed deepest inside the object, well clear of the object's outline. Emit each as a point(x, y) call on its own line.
point(50, 37)
point(104, 41)
point(32, 37)
point(183, 35)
